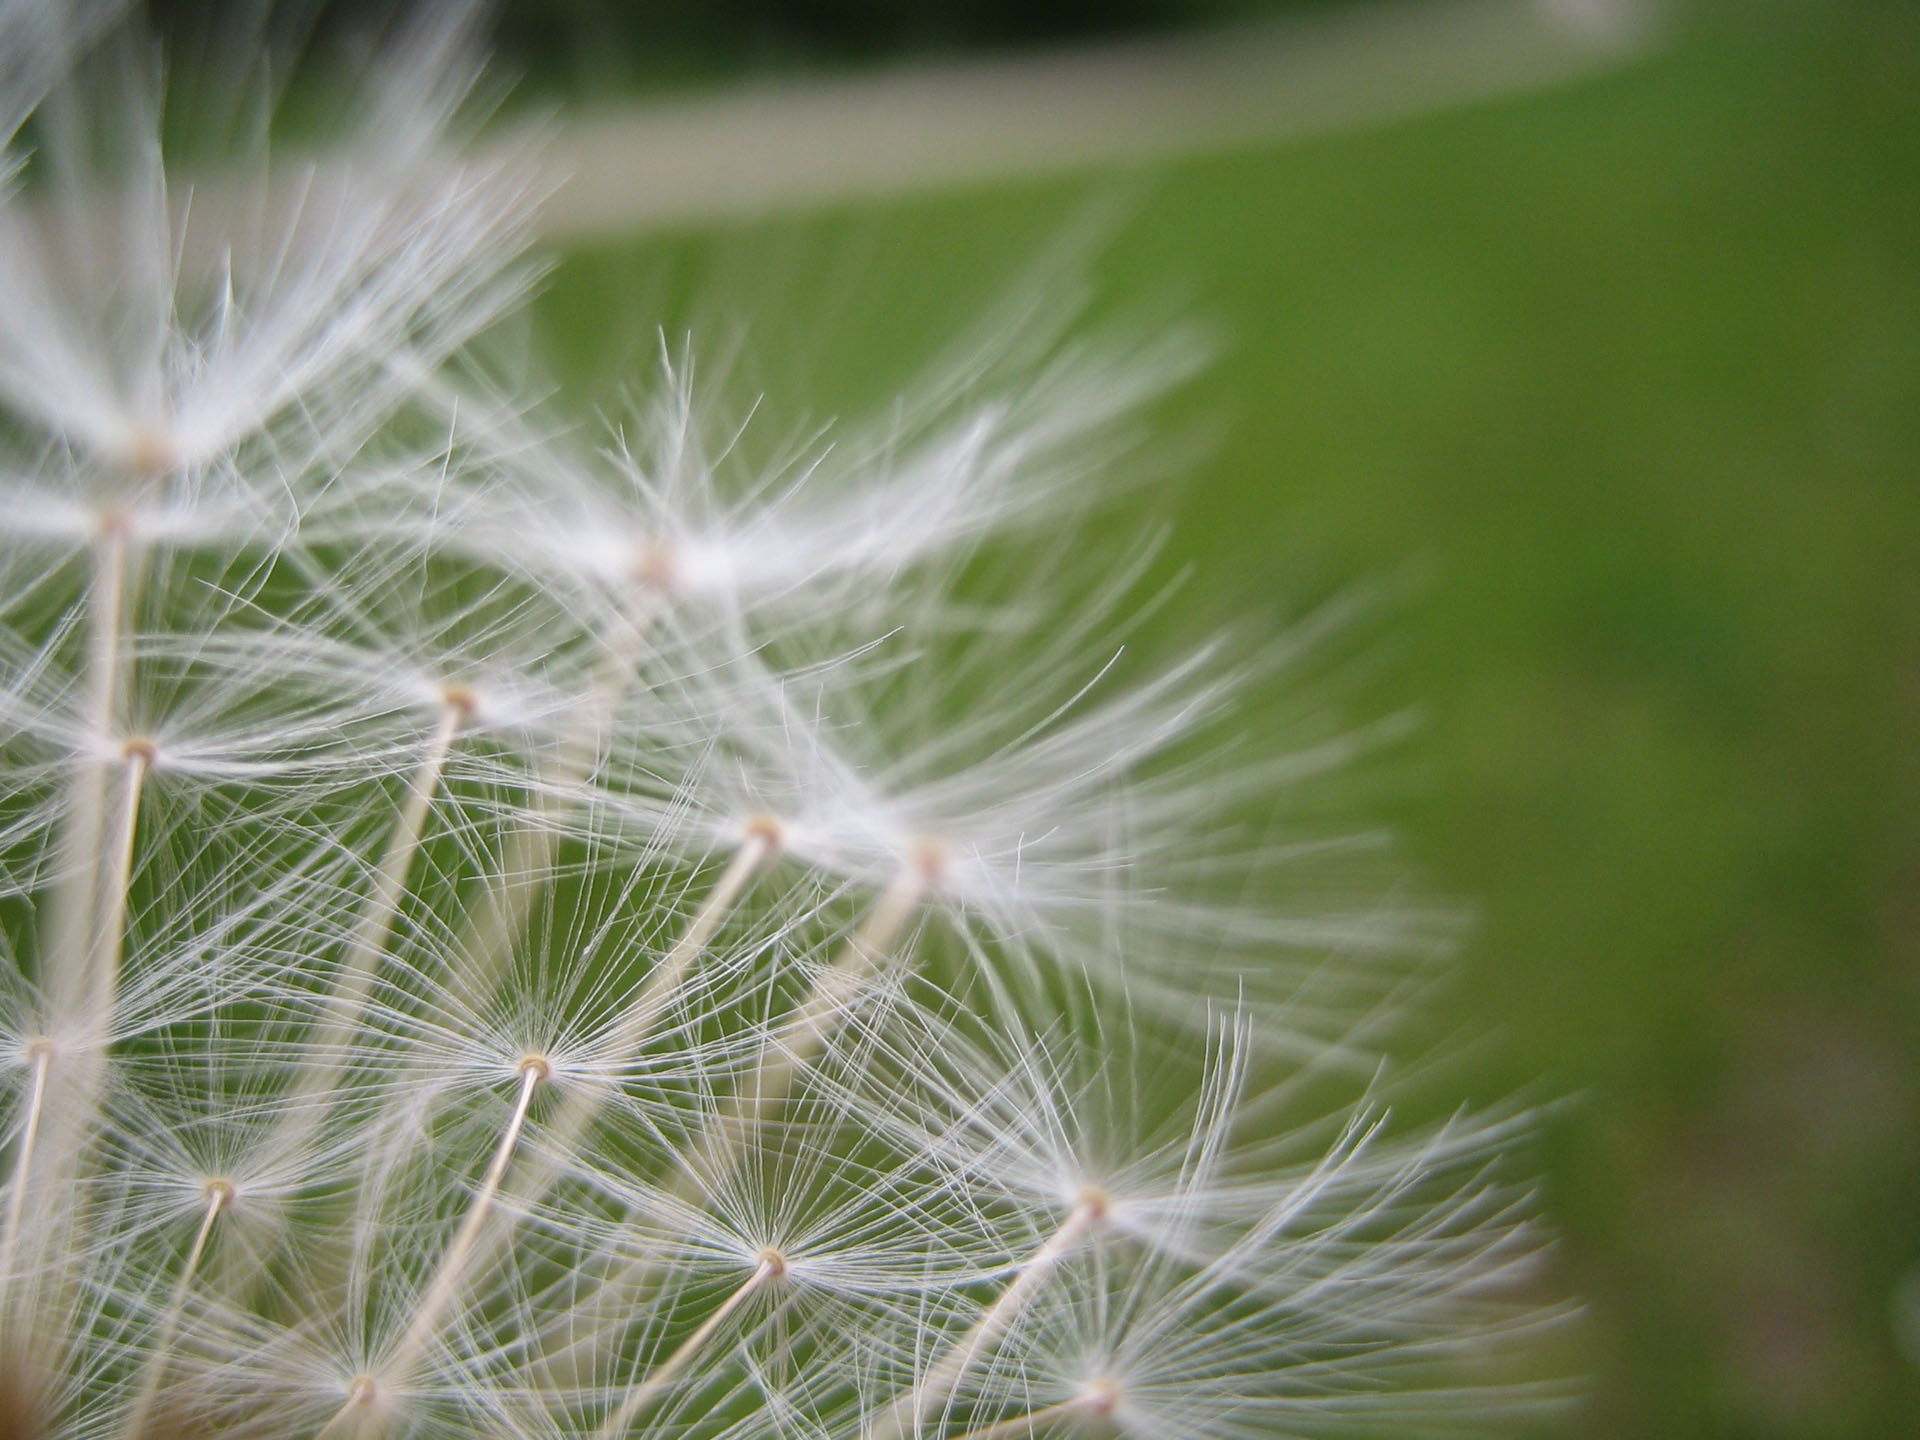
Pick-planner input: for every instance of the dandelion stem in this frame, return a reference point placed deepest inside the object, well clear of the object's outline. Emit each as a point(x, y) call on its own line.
point(327, 1057)
point(362, 1396)
point(390, 879)
point(663, 985)
point(783, 1057)
point(771, 1267)
point(490, 937)
point(219, 1197)
point(450, 1274)
point(41, 1052)
point(84, 818)
point(937, 1385)
point(112, 934)
point(804, 1034)
point(528, 861)
point(87, 930)
point(375, 925)
point(579, 1107)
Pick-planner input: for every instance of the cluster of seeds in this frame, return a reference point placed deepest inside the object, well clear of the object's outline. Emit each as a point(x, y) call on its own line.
point(508, 938)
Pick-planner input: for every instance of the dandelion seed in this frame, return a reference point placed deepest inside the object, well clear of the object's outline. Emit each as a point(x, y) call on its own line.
point(503, 939)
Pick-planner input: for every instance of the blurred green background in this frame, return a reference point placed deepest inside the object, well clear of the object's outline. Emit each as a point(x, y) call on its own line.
point(1617, 383)
point(1626, 374)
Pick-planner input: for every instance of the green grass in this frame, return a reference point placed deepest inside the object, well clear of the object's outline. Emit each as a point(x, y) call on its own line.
point(1626, 377)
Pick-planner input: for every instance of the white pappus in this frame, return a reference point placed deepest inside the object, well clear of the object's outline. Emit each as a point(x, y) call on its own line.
point(504, 935)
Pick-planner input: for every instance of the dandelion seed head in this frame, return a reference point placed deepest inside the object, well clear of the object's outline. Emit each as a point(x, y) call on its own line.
point(510, 933)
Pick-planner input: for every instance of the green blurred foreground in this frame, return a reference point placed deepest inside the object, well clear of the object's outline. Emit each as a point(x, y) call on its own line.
point(1625, 379)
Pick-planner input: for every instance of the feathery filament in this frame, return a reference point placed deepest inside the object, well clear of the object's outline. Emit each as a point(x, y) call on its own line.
point(513, 940)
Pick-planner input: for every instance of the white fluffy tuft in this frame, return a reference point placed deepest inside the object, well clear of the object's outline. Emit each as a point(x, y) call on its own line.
point(512, 937)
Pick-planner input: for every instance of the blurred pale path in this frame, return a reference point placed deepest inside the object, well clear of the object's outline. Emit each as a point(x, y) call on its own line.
point(794, 146)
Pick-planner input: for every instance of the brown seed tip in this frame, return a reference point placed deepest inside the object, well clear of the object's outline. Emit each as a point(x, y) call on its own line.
point(220, 1193)
point(363, 1391)
point(1094, 1201)
point(113, 523)
point(458, 697)
point(538, 1066)
point(1101, 1397)
point(933, 859)
point(151, 451)
point(775, 1262)
point(766, 830)
point(654, 567)
point(142, 749)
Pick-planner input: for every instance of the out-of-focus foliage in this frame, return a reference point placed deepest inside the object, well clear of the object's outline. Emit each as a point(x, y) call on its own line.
point(602, 44)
